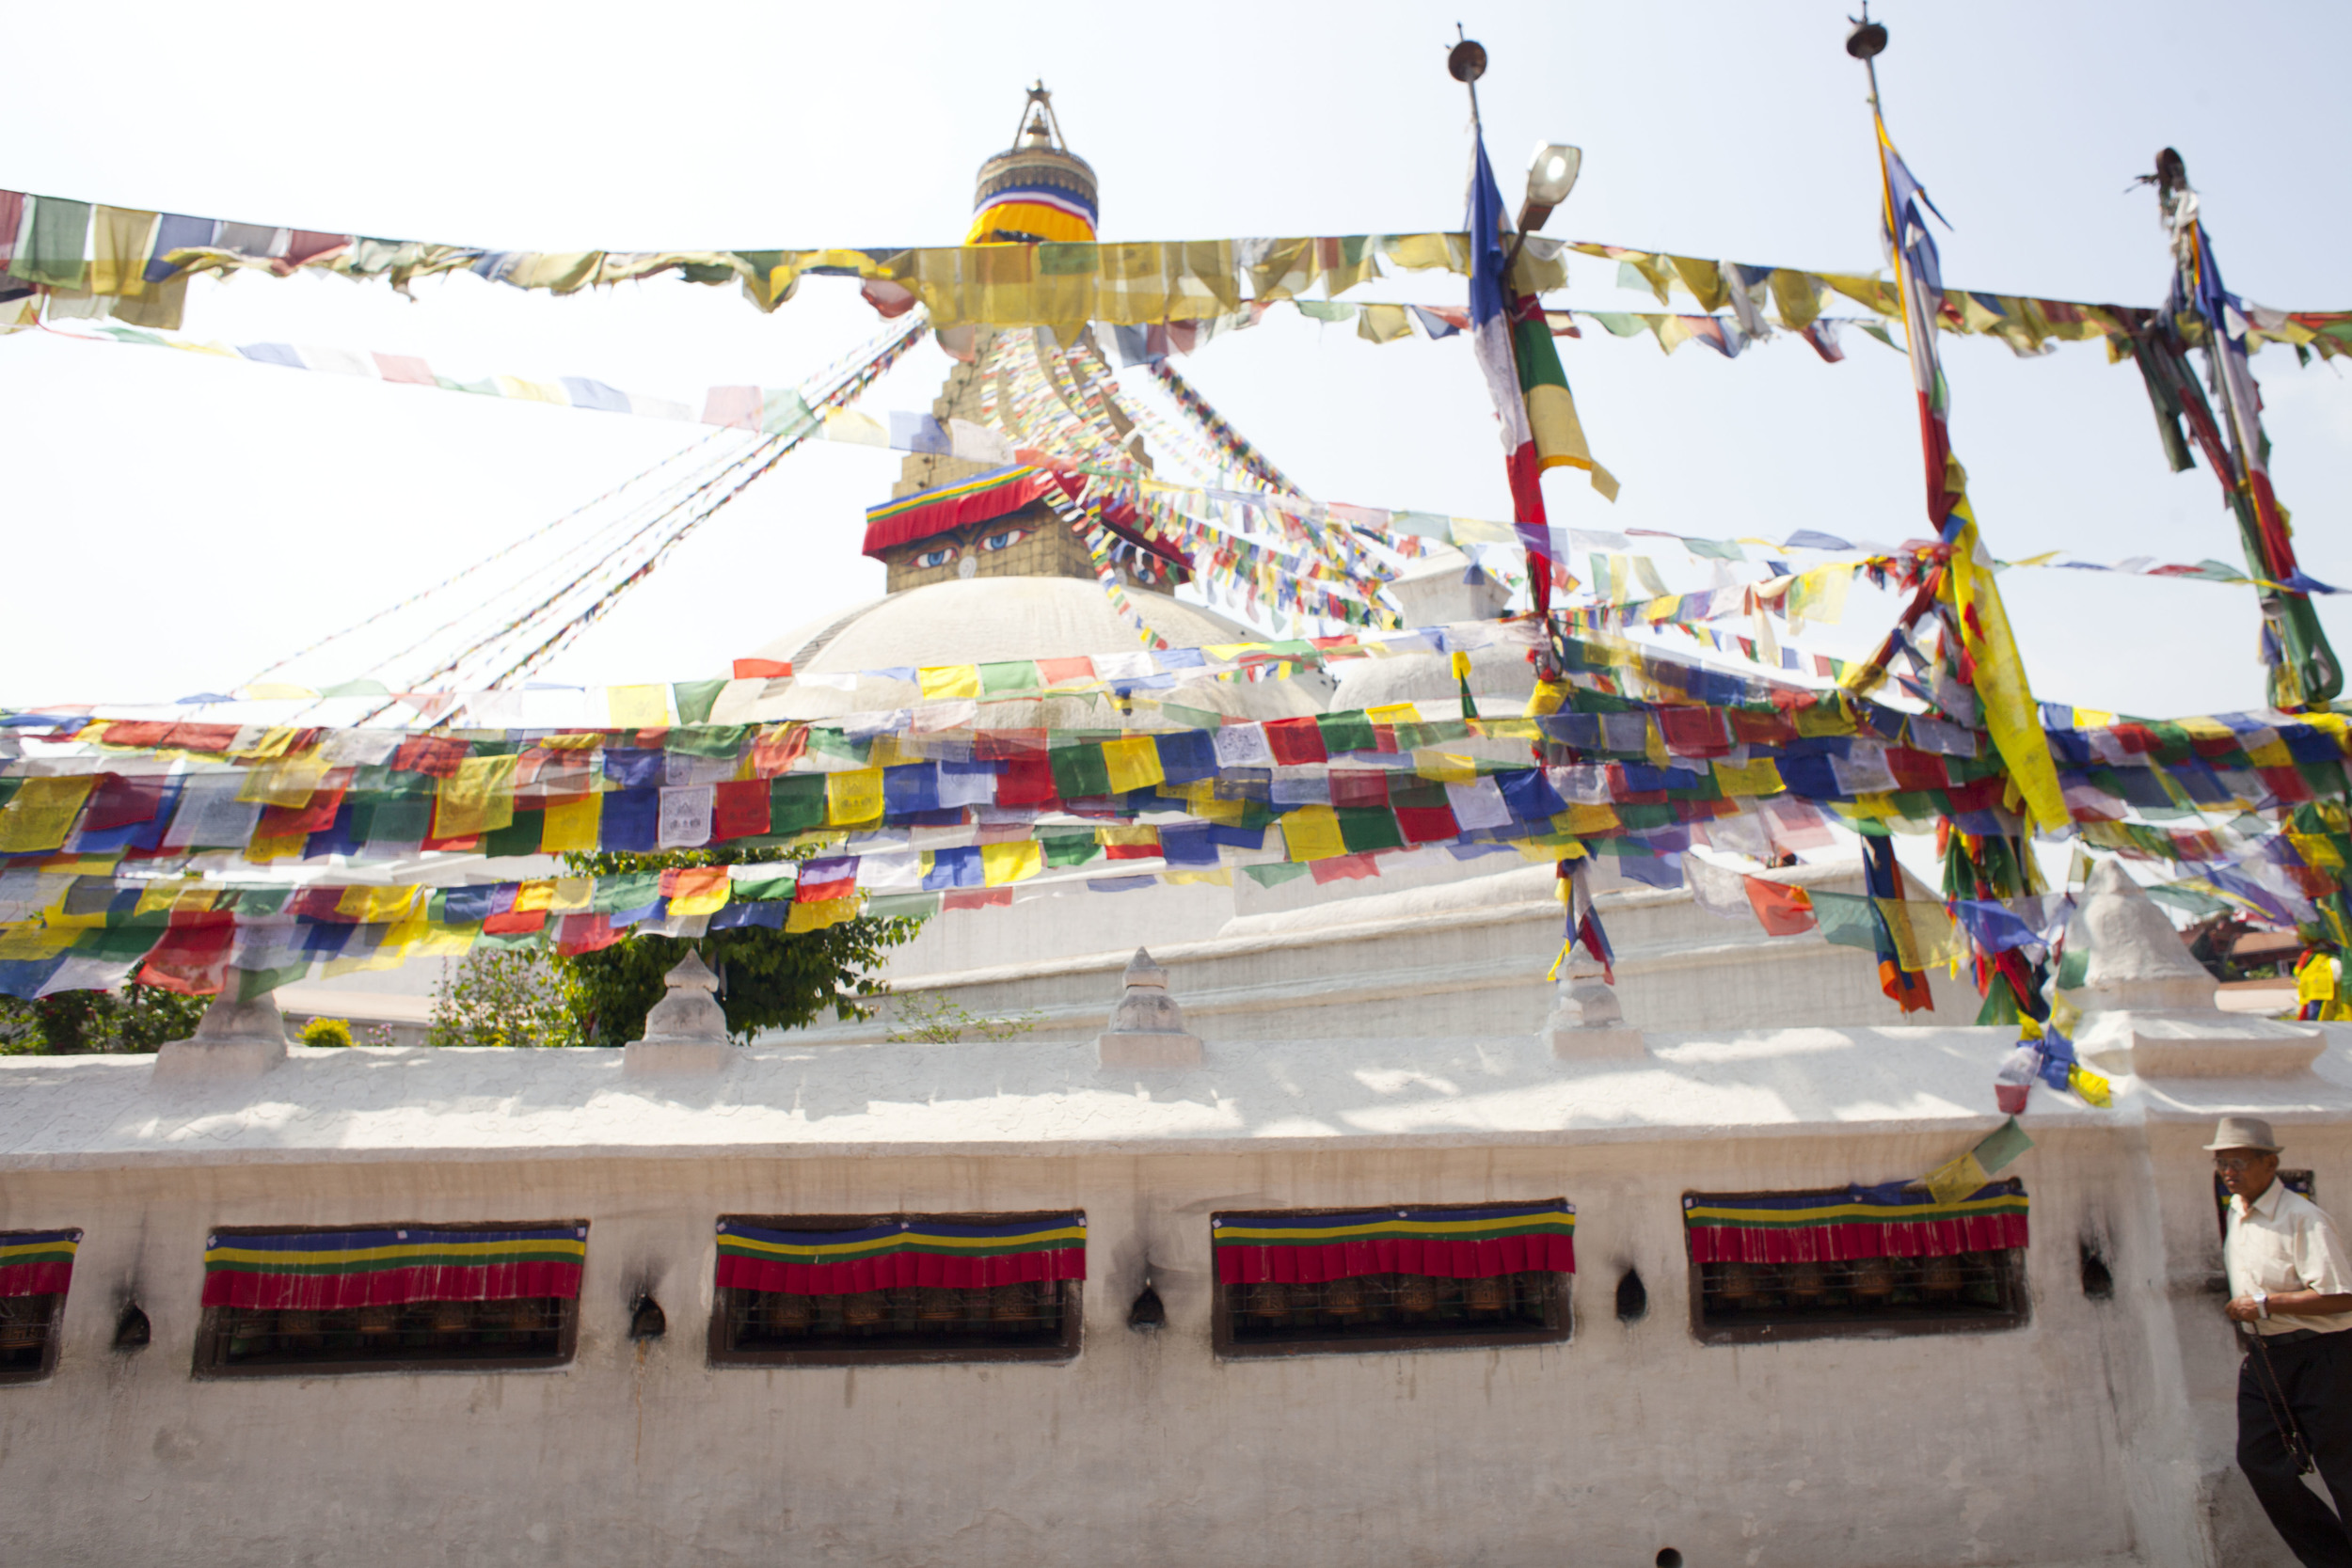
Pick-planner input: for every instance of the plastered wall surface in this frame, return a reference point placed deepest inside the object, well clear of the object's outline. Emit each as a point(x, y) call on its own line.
point(2010, 1446)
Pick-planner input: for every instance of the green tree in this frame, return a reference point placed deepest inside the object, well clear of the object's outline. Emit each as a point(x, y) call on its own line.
point(504, 996)
point(77, 1023)
point(770, 979)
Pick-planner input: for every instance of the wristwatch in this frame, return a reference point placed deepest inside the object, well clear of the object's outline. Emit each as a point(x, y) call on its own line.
point(2261, 1303)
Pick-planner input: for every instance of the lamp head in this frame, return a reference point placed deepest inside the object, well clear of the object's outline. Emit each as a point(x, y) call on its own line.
point(1550, 176)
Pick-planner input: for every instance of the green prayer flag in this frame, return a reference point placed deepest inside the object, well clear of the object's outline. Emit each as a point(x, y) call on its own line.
point(902, 906)
point(1071, 847)
point(796, 802)
point(766, 888)
point(1017, 674)
point(518, 837)
point(1847, 920)
point(695, 699)
point(258, 982)
point(2002, 1145)
point(1079, 771)
point(785, 412)
point(1346, 732)
point(706, 740)
point(630, 890)
point(1275, 873)
point(1363, 827)
point(54, 244)
point(402, 819)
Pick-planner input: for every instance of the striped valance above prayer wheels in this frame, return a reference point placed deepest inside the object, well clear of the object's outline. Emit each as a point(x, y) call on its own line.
point(324, 1270)
point(907, 1250)
point(37, 1262)
point(1449, 1243)
point(1891, 1221)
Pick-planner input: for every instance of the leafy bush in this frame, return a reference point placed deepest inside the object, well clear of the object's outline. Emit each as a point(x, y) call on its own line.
point(933, 1017)
point(326, 1031)
point(770, 979)
point(75, 1022)
point(505, 996)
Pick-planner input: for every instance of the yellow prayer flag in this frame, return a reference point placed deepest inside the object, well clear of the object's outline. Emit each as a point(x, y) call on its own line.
point(265, 847)
point(1128, 836)
point(818, 913)
point(1221, 877)
point(701, 890)
point(162, 898)
point(1313, 833)
point(945, 682)
point(1587, 821)
point(1760, 777)
point(1923, 934)
point(538, 894)
point(375, 905)
point(1394, 714)
point(43, 812)
point(440, 940)
point(638, 707)
point(1445, 767)
point(288, 782)
point(572, 896)
point(1134, 763)
point(571, 825)
point(479, 798)
point(1002, 864)
point(1957, 1180)
point(2318, 851)
point(2093, 1089)
point(273, 742)
point(32, 943)
point(853, 797)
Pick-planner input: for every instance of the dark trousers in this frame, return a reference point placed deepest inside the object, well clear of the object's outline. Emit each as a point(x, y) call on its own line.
point(2314, 1385)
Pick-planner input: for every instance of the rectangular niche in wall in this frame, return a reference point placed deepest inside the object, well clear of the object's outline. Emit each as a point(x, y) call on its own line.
point(836, 1290)
point(389, 1298)
point(1867, 1261)
point(1303, 1281)
point(36, 1267)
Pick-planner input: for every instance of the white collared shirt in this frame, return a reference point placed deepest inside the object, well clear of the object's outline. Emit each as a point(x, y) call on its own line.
point(2283, 1242)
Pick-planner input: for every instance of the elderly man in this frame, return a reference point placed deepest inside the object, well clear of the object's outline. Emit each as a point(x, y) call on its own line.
point(2290, 1288)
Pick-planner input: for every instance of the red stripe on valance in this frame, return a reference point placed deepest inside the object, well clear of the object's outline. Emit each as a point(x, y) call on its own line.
point(1834, 1244)
point(899, 1268)
point(324, 1293)
point(36, 1279)
point(921, 522)
point(1307, 1265)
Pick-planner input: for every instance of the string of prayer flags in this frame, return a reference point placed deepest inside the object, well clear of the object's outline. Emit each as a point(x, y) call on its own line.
point(1968, 1173)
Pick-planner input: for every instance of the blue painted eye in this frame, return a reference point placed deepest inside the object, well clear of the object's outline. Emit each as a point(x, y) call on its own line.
point(935, 558)
point(1005, 540)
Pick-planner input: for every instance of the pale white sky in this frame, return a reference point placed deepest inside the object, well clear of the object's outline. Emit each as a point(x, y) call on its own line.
point(174, 523)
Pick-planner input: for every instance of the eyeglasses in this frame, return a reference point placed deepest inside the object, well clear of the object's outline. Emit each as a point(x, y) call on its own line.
point(2237, 1164)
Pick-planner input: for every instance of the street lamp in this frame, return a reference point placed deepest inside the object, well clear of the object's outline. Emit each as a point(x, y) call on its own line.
point(1550, 176)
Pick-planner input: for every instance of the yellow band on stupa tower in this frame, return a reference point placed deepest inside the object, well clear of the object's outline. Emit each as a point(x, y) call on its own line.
point(1036, 191)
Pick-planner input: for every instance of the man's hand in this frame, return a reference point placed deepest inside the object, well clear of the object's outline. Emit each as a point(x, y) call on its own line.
point(2243, 1310)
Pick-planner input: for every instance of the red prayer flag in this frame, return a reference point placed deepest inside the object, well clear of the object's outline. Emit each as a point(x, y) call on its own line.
point(738, 809)
point(1296, 741)
point(192, 959)
point(1427, 824)
point(759, 668)
point(122, 799)
point(1784, 911)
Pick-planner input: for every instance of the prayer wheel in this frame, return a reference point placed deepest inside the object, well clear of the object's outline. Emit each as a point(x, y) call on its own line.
point(1736, 1284)
point(1941, 1278)
point(1417, 1293)
point(1344, 1298)
point(451, 1317)
point(376, 1323)
point(1270, 1300)
point(1485, 1297)
point(23, 1322)
point(1805, 1284)
point(936, 1305)
point(302, 1328)
point(862, 1308)
point(790, 1313)
point(1015, 1304)
point(1874, 1280)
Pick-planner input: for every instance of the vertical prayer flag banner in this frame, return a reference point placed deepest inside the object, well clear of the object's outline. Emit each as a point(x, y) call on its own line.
point(324, 1270)
point(37, 1262)
point(1860, 1222)
point(1449, 1243)
point(1966, 583)
point(902, 1252)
